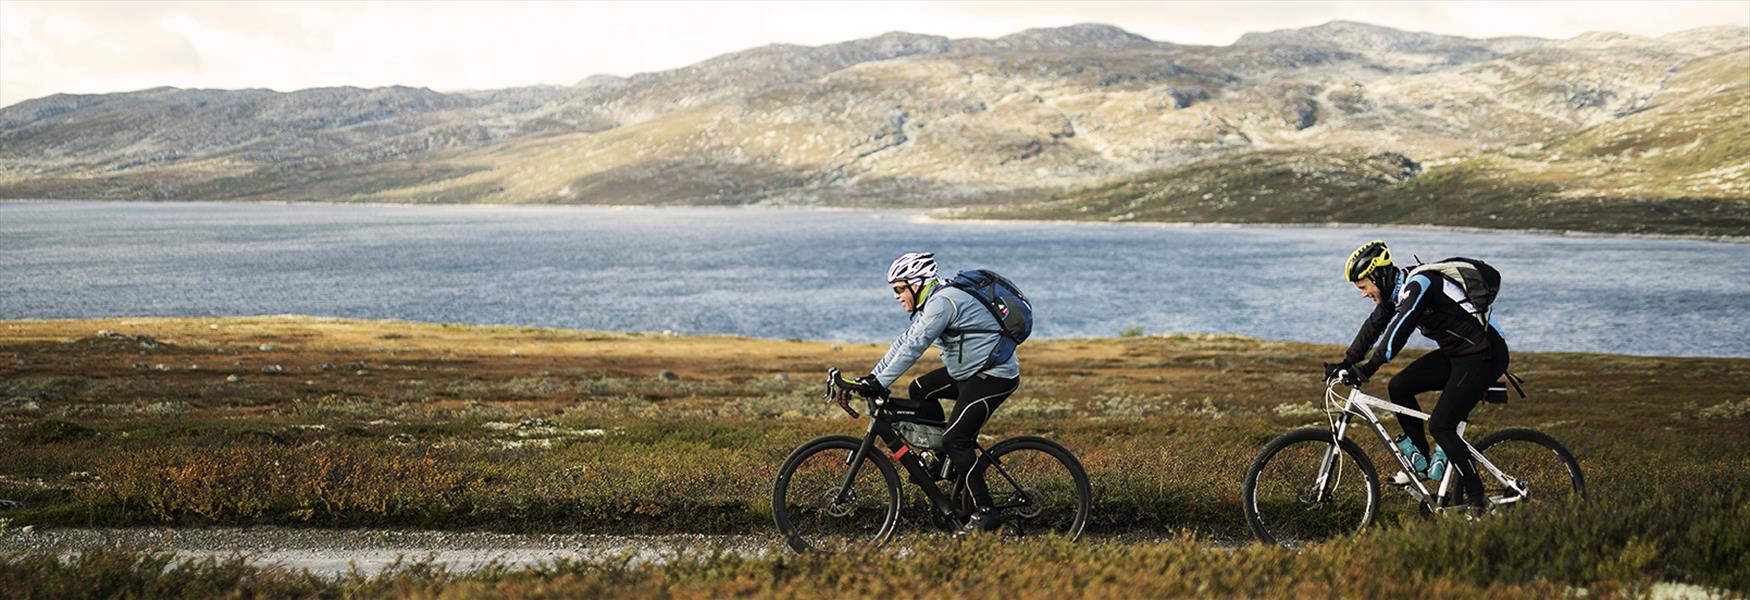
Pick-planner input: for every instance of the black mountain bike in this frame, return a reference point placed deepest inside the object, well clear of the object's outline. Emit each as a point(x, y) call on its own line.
point(838, 492)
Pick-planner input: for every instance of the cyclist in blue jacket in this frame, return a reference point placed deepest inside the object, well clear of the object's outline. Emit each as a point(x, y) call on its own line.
point(965, 332)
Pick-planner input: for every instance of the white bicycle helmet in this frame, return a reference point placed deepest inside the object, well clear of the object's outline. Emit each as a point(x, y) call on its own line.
point(912, 267)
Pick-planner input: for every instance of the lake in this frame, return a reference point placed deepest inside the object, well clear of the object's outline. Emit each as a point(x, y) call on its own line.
point(817, 274)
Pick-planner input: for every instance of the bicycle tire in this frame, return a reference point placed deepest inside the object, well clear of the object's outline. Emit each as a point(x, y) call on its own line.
point(1275, 527)
point(800, 503)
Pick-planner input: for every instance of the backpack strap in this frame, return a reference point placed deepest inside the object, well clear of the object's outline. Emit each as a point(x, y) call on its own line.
point(1002, 336)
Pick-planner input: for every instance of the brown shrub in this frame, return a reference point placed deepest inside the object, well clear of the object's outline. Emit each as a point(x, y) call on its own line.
point(303, 483)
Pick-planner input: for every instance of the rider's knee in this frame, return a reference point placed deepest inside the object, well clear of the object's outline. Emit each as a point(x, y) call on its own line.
point(958, 442)
point(1441, 425)
point(1400, 387)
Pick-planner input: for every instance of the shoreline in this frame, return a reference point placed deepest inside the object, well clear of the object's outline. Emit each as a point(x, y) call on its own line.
point(935, 215)
point(1336, 345)
point(475, 205)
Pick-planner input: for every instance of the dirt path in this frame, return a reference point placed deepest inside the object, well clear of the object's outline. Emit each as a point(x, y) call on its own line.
point(338, 551)
point(333, 552)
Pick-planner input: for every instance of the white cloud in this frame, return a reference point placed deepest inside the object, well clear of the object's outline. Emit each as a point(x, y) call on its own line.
point(54, 47)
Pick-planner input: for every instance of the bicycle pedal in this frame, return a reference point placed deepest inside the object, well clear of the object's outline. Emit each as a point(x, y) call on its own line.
point(982, 522)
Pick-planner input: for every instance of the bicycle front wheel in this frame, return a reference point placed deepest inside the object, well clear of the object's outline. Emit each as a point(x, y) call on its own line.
point(1302, 488)
point(1038, 487)
point(1536, 468)
point(814, 509)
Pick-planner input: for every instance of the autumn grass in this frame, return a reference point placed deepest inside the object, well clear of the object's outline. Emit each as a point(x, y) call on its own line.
point(370, 424)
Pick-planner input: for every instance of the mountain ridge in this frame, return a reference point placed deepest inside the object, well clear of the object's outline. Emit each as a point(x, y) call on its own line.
point(898, 119)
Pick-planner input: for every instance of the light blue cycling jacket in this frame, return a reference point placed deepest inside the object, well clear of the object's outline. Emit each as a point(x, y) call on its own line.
point(947, 308)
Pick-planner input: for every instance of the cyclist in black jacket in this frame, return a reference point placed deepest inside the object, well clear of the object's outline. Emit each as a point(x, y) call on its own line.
point(1469, 359)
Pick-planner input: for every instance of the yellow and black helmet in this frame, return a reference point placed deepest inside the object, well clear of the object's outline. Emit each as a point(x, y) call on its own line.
point(1366, 259)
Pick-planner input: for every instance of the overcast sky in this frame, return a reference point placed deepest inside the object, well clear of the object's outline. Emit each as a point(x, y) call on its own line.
point(98, 47)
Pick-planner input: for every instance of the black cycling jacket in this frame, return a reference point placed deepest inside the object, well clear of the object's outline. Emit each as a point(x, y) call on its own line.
point(1428, 303)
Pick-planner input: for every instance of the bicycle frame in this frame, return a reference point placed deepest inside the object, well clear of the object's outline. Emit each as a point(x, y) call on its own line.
point(881, 427)
point(1340, 409)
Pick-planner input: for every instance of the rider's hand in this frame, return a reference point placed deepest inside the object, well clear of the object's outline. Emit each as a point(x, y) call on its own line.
point(1331, 370)
point(1344, 373)
point(1351, 376)
point(869, 387)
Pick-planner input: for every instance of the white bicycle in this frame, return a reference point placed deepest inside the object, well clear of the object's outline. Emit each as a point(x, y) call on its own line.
point(1313, 483)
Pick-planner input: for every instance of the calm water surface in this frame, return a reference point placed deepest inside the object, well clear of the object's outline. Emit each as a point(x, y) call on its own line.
point(817, 274)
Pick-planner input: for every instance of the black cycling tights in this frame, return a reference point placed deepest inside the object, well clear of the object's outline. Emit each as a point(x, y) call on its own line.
point(975, 400)
point(1462, 381)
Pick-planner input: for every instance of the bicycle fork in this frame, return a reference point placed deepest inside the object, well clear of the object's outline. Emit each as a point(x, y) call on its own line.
point(855, 462)
point(1331, 465)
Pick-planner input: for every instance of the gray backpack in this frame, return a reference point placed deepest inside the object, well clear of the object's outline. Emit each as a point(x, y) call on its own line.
point(1480, 282)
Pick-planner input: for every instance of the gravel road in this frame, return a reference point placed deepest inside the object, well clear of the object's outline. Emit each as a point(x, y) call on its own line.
point(337, 551)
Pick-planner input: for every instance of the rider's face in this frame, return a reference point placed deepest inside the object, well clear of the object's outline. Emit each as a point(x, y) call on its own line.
point(905, 295)
point(1368, 290)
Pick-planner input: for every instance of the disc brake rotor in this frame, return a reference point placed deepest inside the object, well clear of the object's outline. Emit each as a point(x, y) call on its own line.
point(836, 508)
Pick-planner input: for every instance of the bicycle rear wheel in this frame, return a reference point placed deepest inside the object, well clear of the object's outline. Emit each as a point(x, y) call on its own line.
point(811, 512)
point(1288, 502)
point(1038, 487)
point(1540, 465)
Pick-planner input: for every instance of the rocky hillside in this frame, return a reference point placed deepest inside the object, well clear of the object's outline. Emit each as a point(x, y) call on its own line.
point(1064, 114)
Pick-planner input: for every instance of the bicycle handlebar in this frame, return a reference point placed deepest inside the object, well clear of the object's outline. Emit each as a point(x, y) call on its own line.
point(837, 389)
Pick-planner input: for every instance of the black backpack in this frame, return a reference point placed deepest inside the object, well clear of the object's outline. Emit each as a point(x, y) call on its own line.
point(1480, 282)
point(1014, 314)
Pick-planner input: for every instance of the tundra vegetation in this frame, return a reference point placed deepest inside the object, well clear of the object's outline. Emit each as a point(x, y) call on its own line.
point(337, 424)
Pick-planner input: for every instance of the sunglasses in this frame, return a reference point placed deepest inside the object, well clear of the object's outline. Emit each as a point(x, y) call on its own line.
point(901, 288)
